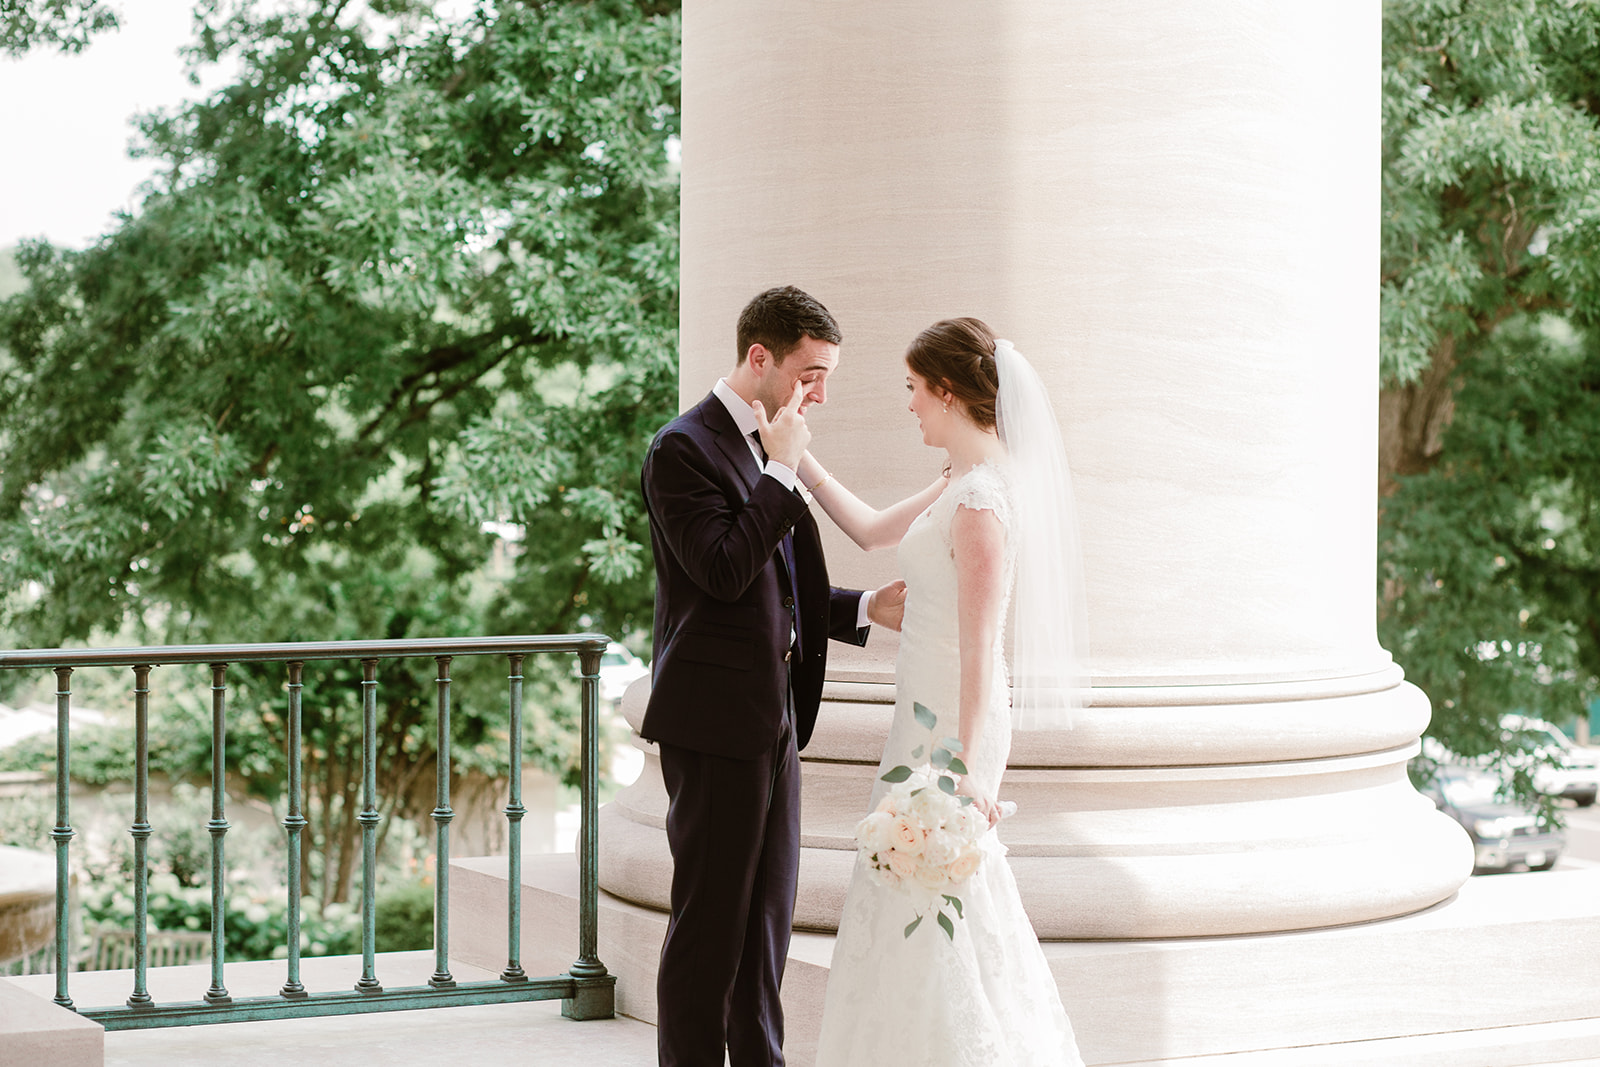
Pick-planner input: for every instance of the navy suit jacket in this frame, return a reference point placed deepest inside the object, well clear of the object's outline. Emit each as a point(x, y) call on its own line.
point(724, 604)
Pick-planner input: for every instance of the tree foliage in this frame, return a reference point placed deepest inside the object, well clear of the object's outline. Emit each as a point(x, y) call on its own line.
point(376, 357)
point(64, 24)
point(1490, 310)
point(388, 285)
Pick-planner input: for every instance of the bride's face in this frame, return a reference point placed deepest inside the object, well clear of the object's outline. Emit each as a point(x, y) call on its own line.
point(929, 407)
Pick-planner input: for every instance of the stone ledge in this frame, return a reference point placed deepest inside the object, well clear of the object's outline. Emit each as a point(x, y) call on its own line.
point(34, 1030)
point(1500, 975)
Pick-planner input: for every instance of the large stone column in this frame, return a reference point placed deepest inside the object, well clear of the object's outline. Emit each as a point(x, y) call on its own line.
point(1172, 209)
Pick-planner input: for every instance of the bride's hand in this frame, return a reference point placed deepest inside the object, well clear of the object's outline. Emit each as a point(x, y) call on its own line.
point(983, 802)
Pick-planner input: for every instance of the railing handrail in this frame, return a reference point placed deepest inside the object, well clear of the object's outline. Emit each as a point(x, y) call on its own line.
point(586, 989)
point(288, 651)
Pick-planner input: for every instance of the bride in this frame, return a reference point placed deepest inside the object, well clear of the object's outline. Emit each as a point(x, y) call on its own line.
point(982, 995)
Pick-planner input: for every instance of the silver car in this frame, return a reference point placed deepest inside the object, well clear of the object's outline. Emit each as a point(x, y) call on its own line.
point(1505, 836)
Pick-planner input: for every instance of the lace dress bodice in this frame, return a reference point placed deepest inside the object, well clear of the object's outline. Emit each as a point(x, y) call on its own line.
point(928, 670)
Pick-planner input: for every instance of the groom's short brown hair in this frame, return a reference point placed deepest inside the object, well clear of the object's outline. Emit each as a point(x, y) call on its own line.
point(778, 318)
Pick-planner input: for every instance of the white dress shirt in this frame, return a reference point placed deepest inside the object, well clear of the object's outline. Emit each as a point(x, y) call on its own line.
point(744, 417)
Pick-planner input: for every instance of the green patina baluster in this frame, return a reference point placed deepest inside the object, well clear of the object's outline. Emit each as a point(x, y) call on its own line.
point(218, 826)
point(369, 819)
point(62, 834)
point(442, 815)
point(294, 822)
point(594, 1000)
point(141, 835)
point(514, 811)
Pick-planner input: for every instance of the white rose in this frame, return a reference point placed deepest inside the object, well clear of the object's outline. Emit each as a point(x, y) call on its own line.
point(875, 833)
point(883, 876)
point(932, 877)
point(931, 807)
point(939, 848)
point(968, 823)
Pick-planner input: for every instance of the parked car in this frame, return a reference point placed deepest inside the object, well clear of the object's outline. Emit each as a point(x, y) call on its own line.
point(1504, 835)
point(618, 669)
point(1571, 772)
point(1563, 769)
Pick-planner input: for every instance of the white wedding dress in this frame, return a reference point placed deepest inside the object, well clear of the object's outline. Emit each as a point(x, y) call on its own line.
point(985, 998)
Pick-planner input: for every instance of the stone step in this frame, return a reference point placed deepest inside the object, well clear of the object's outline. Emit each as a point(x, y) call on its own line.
point(1502, 975)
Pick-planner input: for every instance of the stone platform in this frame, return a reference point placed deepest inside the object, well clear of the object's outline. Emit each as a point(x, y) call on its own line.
point(486, 1033)
point(1502, 975)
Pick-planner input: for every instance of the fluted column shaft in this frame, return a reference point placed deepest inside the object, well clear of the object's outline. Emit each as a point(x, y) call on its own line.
point(1171, 208)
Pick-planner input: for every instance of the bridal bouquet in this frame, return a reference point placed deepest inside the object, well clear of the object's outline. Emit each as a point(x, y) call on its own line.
point(923, 838)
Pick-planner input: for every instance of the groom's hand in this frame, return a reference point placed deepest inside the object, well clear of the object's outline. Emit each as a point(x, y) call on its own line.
point(785, 437)
point(887, 606)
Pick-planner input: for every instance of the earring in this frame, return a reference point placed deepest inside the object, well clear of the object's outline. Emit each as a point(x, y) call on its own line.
point(947, 409)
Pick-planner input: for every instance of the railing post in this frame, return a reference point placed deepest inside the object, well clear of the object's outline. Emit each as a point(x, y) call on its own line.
point(369, 819)
point(514, 812)
point(596, 990)
point(141, 831)
point(442, 815)
point(62, 834)
point(293, 823)
point(218, 994)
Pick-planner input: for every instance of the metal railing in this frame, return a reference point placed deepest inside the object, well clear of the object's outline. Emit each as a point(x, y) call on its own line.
point(586, 989)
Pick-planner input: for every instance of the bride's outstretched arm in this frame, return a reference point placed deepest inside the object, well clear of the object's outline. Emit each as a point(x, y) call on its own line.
point(867, 526)
point(979, 543)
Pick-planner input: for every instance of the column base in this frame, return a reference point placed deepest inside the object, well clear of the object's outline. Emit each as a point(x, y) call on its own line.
point(1150, 820)
point(1501, 974)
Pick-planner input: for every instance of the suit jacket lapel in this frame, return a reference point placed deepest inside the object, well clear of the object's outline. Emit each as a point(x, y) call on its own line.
point(733, 444)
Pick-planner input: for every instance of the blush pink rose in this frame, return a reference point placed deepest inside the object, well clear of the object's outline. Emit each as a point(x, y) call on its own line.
point(906, 837)
point(902, 865)
point(962, 867)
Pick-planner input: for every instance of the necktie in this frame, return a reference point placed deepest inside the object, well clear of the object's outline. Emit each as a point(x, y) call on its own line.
point(788, 557)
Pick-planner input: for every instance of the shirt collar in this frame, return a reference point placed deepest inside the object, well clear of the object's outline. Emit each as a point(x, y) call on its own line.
point(743, 415)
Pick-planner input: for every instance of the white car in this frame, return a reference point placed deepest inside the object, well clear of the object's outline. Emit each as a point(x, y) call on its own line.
point(1572, 772)
point(618, 669)
point(1566, 771)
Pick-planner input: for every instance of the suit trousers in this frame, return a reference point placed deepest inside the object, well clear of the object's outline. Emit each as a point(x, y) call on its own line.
point(734, 829)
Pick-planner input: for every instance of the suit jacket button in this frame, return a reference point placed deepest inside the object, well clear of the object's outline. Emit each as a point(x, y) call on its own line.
point(788, 601)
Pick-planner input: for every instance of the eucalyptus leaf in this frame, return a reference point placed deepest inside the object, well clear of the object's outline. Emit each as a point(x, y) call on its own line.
point(940, 758)
point(956, 765)
point(947, 785)
point(913, 925)
point(916, 753)
point(953, 744)
point(955, 902)
point(949, 927)
point(896, 774)
point(925, 718)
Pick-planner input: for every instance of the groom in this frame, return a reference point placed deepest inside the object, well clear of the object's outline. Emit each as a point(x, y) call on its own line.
point(743, 616)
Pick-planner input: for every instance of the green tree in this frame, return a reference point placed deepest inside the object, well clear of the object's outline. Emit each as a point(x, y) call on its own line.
point(1490, 439)
point(407, 276)
point(65, 24)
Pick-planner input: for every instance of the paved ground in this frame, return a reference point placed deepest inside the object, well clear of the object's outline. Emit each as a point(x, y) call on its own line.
point(487, 1035)
point(1583, 838)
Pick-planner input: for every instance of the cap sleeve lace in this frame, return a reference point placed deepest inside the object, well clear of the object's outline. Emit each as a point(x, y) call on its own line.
point(983, 488)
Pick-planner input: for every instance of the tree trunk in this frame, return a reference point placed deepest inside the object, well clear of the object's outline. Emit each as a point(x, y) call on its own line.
point(1412, 419)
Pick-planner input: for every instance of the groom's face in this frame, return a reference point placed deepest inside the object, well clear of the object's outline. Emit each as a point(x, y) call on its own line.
point(810, 363)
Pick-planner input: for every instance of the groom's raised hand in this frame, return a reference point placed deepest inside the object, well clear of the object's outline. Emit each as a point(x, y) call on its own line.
point(786, 436)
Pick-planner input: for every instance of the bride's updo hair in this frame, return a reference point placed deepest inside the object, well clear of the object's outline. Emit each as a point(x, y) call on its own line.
point(958, 355)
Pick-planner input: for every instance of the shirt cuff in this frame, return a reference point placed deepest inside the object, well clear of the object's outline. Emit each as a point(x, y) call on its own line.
point(784, 475)
point(862, 621)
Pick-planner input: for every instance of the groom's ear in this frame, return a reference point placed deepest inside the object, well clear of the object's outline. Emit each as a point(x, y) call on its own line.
point(758, 356)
